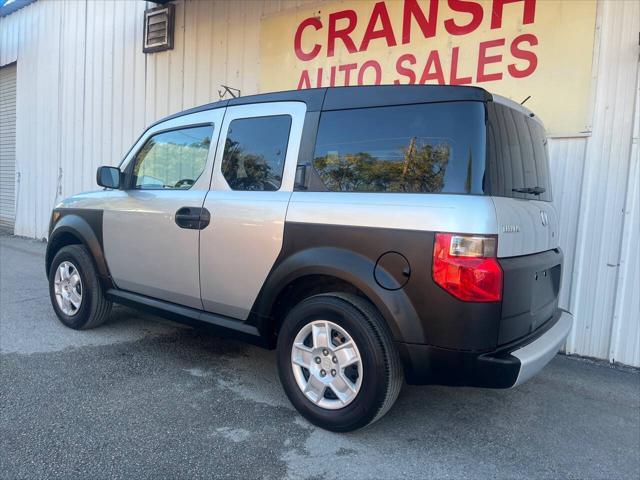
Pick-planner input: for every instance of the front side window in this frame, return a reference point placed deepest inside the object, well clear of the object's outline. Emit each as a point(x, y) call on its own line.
point(425, 148)
point(173, 159)
point(255, 151)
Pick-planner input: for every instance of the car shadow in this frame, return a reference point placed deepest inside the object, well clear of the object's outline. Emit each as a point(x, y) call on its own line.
point(251, 372)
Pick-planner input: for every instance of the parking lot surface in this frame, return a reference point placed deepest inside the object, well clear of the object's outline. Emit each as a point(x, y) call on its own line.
point(142, 397)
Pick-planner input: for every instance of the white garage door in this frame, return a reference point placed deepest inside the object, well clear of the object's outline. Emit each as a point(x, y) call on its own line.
point(7, 147)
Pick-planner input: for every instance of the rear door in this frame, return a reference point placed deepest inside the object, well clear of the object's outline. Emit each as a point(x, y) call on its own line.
point(252, 182)
point(517, 176)
point(518, 179)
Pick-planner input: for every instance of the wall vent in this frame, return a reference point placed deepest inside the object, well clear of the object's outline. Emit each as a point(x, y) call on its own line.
point(158, 28)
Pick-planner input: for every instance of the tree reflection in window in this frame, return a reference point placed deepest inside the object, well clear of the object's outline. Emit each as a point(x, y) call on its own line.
point(420, 168)
point(418, 148)
point(254, 153)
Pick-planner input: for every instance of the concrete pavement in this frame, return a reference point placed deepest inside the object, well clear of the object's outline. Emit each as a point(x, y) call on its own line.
point(142, 397)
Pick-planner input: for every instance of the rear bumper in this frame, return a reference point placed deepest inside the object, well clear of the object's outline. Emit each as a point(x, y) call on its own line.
point(507, 367)
point(535, 355)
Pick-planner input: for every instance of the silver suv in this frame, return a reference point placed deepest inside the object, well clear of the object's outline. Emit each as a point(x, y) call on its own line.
point(373, 235)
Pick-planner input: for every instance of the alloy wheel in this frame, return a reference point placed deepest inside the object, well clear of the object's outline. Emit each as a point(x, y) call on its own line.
point(326, 364)
point(68, 288)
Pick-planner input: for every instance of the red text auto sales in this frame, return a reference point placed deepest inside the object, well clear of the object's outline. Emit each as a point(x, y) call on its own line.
point(497, 58)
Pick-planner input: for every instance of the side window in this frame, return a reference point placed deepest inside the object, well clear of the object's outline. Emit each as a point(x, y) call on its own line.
point(173, 159)
point(254, 152)
point(424, 148)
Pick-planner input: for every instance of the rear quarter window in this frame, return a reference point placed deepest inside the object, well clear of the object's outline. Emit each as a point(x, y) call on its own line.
point(423, 148)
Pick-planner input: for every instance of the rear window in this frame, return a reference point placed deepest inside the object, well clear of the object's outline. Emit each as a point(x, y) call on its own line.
point(517, 158)
point(425, 148)
point(453, 147)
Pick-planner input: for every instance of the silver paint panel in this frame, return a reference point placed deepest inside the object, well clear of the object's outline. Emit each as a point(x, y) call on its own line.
point(239, 248)
point(532, 236)
point(146, 251)
point(534, 356)
point(244, 239)
point(404, 211)
point(96, 200)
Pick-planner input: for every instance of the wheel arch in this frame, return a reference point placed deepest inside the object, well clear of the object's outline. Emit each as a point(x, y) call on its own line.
point(325, 269)
point(305, 286)
point(73, 229)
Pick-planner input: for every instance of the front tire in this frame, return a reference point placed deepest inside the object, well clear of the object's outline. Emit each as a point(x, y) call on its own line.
point(337, 362)
point(75, 291)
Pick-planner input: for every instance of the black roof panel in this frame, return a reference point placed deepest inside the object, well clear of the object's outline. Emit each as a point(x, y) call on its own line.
point(313, 97)
point(377, 96)
point(339, 98)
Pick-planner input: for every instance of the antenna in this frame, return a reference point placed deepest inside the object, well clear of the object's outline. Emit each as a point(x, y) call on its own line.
point(229, 90)
point(523, 101)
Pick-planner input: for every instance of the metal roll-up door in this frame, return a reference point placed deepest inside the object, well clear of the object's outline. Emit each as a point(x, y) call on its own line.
point(7, 148)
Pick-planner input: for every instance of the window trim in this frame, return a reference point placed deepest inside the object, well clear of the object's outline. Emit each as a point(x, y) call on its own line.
point(223, 145)
point(296, 109)
point(128, 171)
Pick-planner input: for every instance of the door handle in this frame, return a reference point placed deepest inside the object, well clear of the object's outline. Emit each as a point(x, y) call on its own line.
point(194, 218)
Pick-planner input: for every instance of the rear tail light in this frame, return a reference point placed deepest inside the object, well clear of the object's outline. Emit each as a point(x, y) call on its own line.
point(466, 266)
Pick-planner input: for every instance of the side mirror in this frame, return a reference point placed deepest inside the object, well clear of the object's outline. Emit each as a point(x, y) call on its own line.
point(108, 177)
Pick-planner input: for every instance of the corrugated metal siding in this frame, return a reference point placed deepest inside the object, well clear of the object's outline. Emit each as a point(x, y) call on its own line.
point(87, 91)
point(567, 162)
point(625, 342)
point(7, 147)
point(597, 267)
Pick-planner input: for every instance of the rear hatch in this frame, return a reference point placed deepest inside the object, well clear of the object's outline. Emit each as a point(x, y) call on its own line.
point(517, 177)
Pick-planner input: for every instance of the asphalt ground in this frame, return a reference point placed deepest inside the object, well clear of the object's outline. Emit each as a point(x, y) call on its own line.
point(141, 397)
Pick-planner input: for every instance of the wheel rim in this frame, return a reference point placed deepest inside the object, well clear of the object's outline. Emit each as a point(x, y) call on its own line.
point(68, 288)
point(326, 364)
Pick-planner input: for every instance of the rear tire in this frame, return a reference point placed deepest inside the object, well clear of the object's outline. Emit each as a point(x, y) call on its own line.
point(373, 376)
point(75, 291)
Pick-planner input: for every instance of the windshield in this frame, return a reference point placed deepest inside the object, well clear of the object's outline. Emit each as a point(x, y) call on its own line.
point(517, 159)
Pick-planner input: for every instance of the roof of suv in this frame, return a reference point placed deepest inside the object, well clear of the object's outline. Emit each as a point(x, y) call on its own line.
point(339, 98)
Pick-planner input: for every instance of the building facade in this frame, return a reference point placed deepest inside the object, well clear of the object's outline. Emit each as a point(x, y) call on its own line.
point(77, 89)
